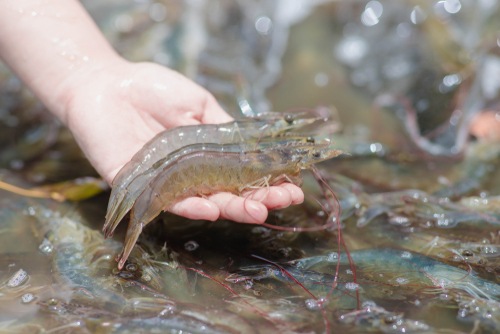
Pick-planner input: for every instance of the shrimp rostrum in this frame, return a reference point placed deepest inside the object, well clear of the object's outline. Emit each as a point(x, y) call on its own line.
point(211, 168)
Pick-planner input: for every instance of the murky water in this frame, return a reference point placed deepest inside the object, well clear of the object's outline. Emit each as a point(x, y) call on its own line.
point(405, 82)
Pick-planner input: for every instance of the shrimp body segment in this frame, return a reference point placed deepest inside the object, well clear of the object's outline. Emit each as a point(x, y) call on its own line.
point(224, 168)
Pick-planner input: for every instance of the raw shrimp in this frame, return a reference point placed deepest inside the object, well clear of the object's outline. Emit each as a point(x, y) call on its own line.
point(136, 185)
point(203, 173)
point(267, 125)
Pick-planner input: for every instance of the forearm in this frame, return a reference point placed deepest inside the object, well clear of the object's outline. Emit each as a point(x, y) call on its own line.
point(50, 44)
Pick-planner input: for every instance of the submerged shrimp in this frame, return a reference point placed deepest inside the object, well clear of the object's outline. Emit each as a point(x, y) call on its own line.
point(268, 125)
point(223, 168)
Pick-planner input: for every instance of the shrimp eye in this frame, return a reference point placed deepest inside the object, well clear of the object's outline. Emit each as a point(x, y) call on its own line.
point(310, 140)
point(316, 154)
point(289, 118)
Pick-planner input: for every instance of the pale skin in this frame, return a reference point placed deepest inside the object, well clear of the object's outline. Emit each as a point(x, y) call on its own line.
point(112, 106)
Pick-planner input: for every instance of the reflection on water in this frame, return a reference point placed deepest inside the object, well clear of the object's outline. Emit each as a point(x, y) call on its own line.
point(414, 89)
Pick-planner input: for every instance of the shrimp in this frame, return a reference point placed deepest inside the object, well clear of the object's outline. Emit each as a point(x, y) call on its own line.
point(135, 186)
point(266, 125)
point(225, 168)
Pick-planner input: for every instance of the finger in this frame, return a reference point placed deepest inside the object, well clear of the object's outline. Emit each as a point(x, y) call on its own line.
point(296, 192)
point(239, 209)
point(196, 208)
point(277, 197)
point(213, 112)
point(271, 197)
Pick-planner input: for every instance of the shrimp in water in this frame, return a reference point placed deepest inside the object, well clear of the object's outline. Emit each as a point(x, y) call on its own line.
point(215, 169)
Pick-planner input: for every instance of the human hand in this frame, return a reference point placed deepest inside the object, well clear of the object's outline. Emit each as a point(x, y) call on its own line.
point(114, 110)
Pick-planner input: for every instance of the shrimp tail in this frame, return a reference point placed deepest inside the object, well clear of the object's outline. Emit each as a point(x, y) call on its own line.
point(133, 232)
point(114, 217)
point(109, 226)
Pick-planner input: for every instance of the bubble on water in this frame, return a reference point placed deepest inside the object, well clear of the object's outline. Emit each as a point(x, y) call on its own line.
point(191, 246)
point(368, 305)
point(19, 278)
point(46, 247)
point(489, 250)
point(27, 298)
point(131, 267)
point(406, 255)
point(352, 286)
point(332, 257)
point(444, 222)
point(314, 304)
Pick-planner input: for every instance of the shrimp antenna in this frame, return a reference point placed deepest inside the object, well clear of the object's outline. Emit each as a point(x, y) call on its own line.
point(327, 190)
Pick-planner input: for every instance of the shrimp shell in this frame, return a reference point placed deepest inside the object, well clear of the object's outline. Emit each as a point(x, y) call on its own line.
point(202, 173)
